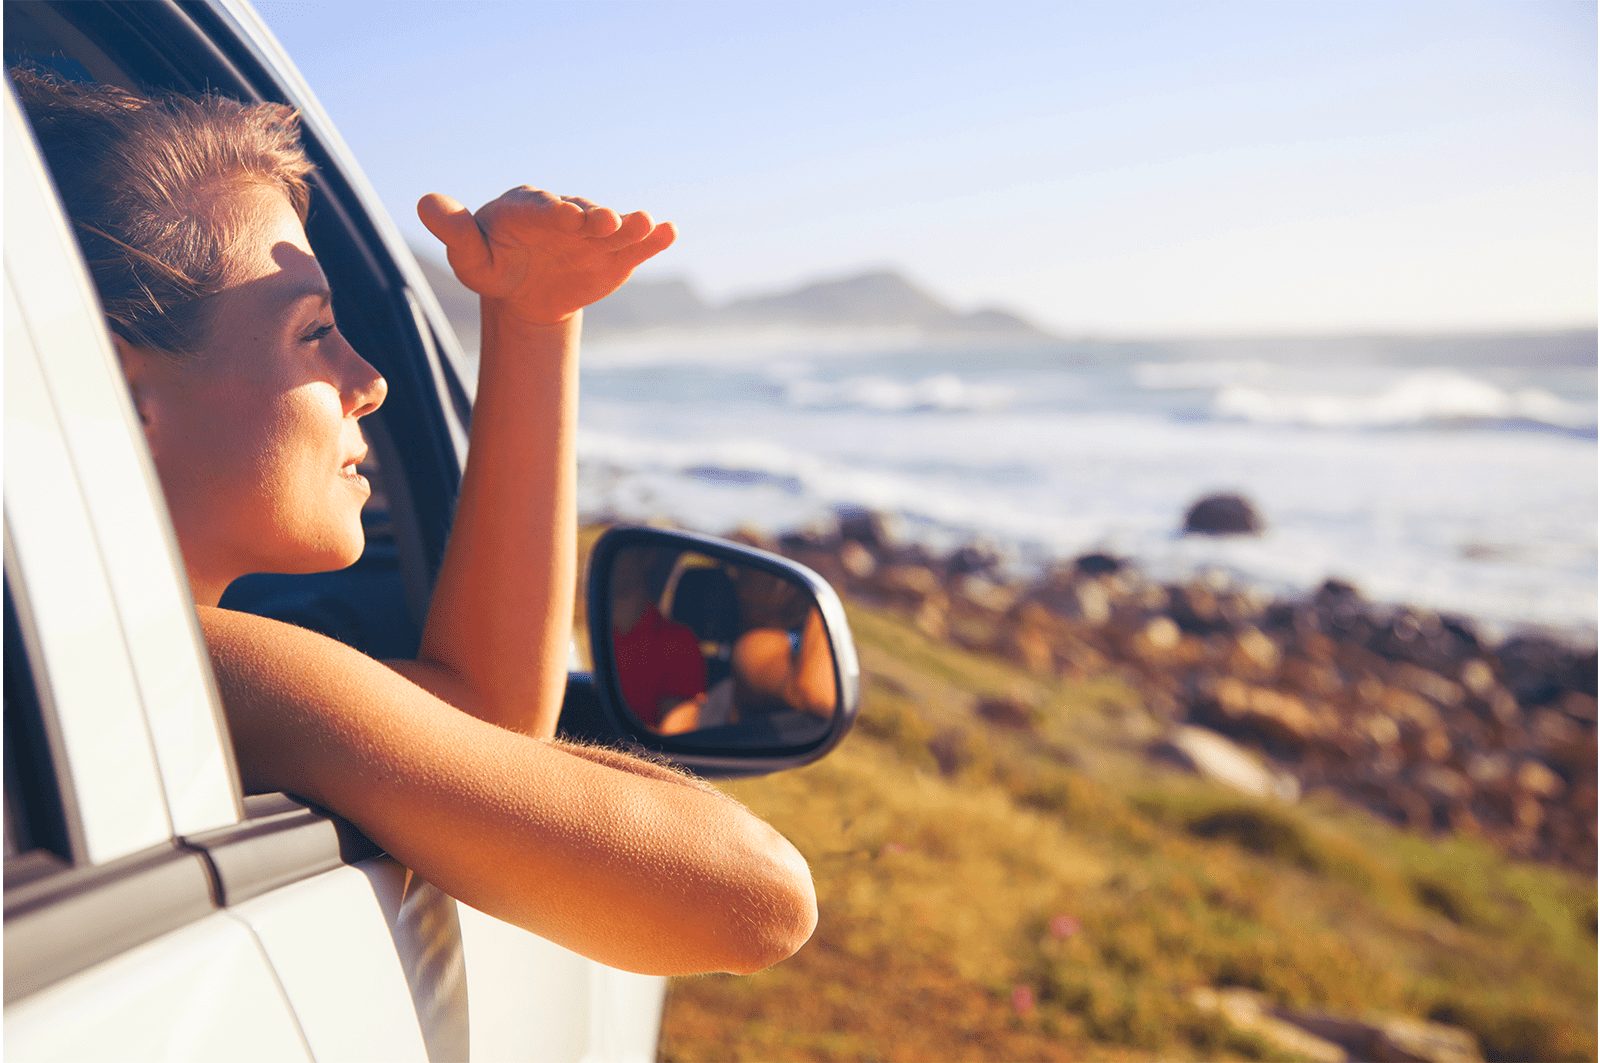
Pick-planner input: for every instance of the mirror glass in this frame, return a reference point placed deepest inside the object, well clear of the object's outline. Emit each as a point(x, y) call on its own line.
point(732, 653)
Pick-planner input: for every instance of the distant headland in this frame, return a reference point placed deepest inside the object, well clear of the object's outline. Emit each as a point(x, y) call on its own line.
point(869, 301)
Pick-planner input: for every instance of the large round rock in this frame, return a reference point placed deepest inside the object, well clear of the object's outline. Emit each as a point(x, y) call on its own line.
point(1222, 515)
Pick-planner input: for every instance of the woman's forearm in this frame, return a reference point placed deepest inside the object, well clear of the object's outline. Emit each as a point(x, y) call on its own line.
point(500, 620)
point(628, 862)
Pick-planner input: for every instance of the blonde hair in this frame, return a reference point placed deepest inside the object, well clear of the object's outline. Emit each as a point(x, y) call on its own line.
point(141, 178)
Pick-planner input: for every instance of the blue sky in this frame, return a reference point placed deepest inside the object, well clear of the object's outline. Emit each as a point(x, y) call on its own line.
point(1118, 168)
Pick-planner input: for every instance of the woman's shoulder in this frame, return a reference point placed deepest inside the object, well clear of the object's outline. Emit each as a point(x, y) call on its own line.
point(293, 697)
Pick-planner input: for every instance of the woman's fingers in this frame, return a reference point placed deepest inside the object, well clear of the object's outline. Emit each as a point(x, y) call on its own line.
point(634, 227)
point(454, 226)
point(528, 208)
point(631, 238)
point(659, 240)
point(598, 221)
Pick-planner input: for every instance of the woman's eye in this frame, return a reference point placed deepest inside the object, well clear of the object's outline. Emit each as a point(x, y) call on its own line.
point(320, 332)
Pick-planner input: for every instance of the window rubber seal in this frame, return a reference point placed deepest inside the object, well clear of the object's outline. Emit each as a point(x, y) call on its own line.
point(282, 840)
point(62, 921)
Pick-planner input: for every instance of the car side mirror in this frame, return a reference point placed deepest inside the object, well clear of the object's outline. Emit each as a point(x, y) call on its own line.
point(728, 659)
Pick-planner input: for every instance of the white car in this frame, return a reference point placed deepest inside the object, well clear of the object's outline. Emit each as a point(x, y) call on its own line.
point(151, 910)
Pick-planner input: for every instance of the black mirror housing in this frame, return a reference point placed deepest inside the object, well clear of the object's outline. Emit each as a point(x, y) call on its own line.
point(727, 660)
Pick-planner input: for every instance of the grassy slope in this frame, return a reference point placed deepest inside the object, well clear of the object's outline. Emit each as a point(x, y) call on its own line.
point(939, 879)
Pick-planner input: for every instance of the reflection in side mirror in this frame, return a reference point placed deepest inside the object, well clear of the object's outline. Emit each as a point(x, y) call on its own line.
point(717, 649)
point(700, 645)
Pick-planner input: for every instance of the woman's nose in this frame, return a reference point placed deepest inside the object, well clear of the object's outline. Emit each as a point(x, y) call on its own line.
point(365, 388)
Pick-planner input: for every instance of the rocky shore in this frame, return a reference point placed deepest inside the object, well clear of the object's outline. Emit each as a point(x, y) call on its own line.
point(1418, 716)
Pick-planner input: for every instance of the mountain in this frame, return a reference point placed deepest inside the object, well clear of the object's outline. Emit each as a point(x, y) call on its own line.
point(869, 300)
point(865, 302)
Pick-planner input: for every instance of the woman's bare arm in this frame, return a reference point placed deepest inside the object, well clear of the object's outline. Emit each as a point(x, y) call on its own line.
point(500, 620)
point(622, 860)
point(496, 638)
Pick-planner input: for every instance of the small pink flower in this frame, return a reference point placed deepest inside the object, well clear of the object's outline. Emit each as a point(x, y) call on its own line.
point(1023, 1000)
point(1064, 926)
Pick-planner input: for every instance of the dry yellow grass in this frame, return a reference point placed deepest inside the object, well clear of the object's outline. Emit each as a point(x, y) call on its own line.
point(1052, 896)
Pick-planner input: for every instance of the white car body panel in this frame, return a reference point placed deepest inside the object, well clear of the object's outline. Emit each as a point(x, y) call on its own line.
point(330, 943)
point(202, 993)
point(585, 1011)
point(118, 807)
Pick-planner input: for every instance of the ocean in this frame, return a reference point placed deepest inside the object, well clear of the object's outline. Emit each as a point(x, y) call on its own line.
point(1452, 473)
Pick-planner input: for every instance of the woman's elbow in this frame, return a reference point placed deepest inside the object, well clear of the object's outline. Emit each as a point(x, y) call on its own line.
point(786, 911)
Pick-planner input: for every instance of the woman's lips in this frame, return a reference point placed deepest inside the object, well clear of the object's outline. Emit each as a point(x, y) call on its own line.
point(350, 474)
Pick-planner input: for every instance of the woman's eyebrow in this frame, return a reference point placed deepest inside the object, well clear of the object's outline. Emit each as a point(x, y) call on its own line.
point(313, 290)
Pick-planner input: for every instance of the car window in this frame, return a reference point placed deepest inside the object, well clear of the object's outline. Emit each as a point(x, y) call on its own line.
point(377, 604)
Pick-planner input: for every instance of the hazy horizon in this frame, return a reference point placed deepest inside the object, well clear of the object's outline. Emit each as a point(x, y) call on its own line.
point(1082, 334)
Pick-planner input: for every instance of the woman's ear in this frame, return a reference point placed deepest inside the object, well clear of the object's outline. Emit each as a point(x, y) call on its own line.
point(140, 366)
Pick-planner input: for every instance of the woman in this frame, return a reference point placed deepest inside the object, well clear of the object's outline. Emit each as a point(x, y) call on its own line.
point(191, 216)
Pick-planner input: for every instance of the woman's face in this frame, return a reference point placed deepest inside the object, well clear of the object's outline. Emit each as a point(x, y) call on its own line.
point(255, 436)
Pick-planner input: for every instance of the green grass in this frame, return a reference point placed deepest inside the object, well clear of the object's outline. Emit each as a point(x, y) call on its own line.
point(964, 870)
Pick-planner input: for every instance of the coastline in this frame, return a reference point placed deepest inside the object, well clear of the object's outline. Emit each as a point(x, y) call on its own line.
point(1428, 720)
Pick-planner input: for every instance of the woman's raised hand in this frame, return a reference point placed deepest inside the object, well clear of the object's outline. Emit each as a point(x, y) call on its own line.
point(541, 256)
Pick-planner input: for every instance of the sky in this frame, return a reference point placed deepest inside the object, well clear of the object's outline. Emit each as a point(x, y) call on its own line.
point(1141, 168)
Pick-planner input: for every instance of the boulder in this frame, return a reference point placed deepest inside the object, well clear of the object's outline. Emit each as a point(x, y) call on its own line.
point(1276, 720)
point(1011, 712)
point(905, 585)
point(1537, 780)
point(818, 535)
point(1156, 640)
point(1090, 603)
point(857, 560)
point(1444, 787)
point(1579, 706)
point(1538, 669)
point(1211, 756)
point(978, 557)
point(1195, 608)
point(1477, 677)
point(1313, 678)
point(1098, 564)
point(984, 595)
point(1337, 594)
point(750, 535)
point(1422, 638)
point(1251, 1013)
point(1436, 688)
point(1253, 654)
point(869, 527)
point(1387, 1039)
point(1222, 514)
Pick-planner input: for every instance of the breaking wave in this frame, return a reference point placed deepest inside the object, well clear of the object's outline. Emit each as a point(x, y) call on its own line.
point(941, 393)
point(1424, 399)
